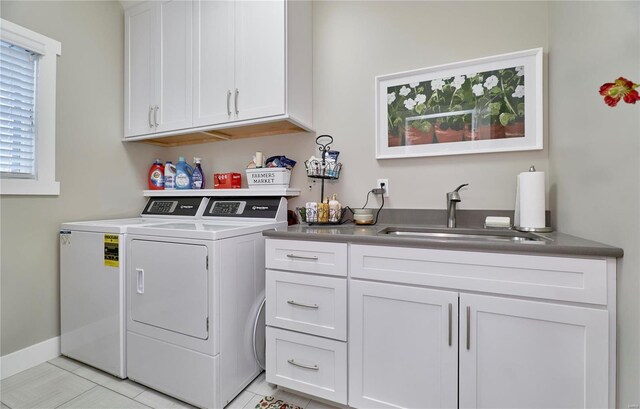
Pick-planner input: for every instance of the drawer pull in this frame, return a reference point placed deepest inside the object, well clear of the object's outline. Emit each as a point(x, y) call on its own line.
point(312, 367)
point(314, 306)
point(302, 257)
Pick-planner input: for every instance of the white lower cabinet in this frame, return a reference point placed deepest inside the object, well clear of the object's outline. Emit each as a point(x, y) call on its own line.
point(403, 346)
point(441, 329)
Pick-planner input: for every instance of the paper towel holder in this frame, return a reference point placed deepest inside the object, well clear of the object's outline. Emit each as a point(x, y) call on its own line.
point(533, 229)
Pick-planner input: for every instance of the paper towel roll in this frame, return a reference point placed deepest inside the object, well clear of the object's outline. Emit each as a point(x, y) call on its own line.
point(530, 200)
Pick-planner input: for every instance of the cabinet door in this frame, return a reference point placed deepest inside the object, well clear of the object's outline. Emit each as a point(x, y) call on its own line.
point(260, 59)
point(139, 72)
point(173, 67)
point(526, 354)
point(213, 82)
point(403, 347)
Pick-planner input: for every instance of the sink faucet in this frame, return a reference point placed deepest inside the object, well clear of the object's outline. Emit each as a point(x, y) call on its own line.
point(452, 200)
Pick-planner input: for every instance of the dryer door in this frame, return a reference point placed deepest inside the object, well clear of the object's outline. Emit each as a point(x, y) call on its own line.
point(168, 283)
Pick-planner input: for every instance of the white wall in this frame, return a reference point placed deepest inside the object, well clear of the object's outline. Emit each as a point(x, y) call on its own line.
point(354, 42)
point(100, 177)
point(595, 151)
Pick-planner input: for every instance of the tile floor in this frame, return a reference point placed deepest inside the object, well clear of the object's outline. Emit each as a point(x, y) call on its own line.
point(65, 383)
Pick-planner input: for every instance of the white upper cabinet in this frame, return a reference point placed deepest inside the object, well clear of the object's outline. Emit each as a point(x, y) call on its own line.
point(229, 68)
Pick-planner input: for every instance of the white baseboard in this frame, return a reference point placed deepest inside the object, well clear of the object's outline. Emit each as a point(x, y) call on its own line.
point(29, 357)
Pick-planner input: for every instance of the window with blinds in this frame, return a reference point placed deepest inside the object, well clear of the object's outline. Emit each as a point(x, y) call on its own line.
point(18, 87)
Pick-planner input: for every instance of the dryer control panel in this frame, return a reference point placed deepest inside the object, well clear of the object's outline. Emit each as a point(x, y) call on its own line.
point(174, 206)
point(253, 207)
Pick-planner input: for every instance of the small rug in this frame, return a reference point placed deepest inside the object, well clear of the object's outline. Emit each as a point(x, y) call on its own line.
point(269, 402)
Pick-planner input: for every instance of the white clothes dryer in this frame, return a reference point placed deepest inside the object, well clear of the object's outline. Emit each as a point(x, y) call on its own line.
point(193, 291)
point(92, 296)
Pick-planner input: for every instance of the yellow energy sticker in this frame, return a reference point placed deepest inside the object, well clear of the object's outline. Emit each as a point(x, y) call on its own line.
point(111, 250)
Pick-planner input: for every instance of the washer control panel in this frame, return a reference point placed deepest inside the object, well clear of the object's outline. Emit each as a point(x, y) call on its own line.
point(173, 206)
point(223, 208)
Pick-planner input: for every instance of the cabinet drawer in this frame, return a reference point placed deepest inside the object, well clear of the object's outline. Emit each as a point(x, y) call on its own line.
point(313, 365)
point(555, 278)
point(307, 256)
point(307, 303)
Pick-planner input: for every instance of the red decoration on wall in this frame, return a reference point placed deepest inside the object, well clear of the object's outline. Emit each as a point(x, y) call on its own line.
point(623, 89)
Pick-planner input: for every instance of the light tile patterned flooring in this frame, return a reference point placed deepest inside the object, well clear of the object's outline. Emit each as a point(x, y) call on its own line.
point(65, 383)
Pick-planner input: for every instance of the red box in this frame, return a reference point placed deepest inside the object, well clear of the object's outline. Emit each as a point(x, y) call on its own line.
point(227, 180)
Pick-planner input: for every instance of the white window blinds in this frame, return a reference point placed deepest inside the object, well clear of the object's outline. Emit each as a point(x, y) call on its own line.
point(18, 75)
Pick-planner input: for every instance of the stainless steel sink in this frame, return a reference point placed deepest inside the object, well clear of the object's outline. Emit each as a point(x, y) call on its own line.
point(460, 234)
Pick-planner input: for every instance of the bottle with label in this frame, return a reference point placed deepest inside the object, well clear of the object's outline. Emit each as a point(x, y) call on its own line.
point(184, 173)
point(156, 176)
point(335, 209)
point(169, 176)
point(197, 180)
point(323, 211)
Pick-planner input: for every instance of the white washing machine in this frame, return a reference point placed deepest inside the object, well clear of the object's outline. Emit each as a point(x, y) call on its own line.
point(193, 291)
point(92, 291)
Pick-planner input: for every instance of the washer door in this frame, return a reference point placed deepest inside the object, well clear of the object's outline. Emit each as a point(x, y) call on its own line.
point(168, 283)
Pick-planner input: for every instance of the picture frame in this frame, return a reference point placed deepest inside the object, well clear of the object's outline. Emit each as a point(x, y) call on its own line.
point(490, 104)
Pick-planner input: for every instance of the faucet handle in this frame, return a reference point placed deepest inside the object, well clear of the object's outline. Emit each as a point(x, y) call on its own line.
point(460, 187)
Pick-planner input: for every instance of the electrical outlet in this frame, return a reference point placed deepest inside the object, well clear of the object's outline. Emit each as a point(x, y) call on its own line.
point(386, 186)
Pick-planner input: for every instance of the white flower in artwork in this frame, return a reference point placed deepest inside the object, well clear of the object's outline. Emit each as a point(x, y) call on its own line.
point(436, 85)
point(391, 97)
point(414, 84)
point(477, 89)
point(421, 98)
point(491, 82)
point(458, 81)
point(404, 91)
point(520, 71)
point(409, 104)
point(519, 92)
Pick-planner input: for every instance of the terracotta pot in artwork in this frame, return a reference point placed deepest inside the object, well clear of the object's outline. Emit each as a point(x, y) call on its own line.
point(514, 130)
point(394, 140)
point(449, 135)
point(493, 131)
point(417, 137)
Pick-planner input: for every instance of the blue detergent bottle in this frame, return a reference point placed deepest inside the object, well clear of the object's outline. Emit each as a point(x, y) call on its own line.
point(184, 173)
point(197, 180)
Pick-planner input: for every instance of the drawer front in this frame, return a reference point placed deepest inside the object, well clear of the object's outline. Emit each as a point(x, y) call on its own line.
point(313, 365)
point(307, 303)
point(307, 256)
point(554, 278)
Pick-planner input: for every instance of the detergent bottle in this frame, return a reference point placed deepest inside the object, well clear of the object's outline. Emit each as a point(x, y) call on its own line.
point(156, 176)
point(169, 176)
point(184, 174)
point(197, 180)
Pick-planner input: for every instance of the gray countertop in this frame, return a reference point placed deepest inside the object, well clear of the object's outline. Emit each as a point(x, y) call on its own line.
point(558, 244)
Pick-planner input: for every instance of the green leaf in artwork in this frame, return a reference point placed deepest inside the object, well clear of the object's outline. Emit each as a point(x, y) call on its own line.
point(494, 108)
point(520, 109)
point(506, 118)
point(421, 109)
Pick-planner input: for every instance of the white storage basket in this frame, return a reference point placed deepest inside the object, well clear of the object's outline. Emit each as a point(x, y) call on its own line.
point(268, 178)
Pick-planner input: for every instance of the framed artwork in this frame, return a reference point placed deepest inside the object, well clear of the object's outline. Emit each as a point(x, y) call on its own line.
point(491, 104)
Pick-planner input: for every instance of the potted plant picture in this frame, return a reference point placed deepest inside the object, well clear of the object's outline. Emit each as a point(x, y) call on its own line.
point(406, 105)
point(512, 113)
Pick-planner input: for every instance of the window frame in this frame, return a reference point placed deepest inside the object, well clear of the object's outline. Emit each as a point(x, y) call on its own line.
point(45, 140)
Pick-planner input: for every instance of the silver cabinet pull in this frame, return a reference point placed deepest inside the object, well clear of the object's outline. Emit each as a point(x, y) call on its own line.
point(155, 114)
point(450, 323)
point(302, 257)
point(229, 102)
point(468, 327)
point(299, 304)
point(149, 116)
point(237, 109)
point(293, 362)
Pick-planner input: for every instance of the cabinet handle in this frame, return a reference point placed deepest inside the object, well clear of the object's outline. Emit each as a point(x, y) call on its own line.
point(149, 116)
point(229, 102)
point(313, 367)
point(237, 109)
point(314, 306)
point(155, 114)
point(468, 327)
point(302, 257)
point(139, 281)
point(450, 323)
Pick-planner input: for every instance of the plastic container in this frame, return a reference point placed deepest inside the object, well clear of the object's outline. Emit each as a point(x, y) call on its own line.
point(156, 176)
point(169, 176)
point(184, 174)
point(197, 180)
